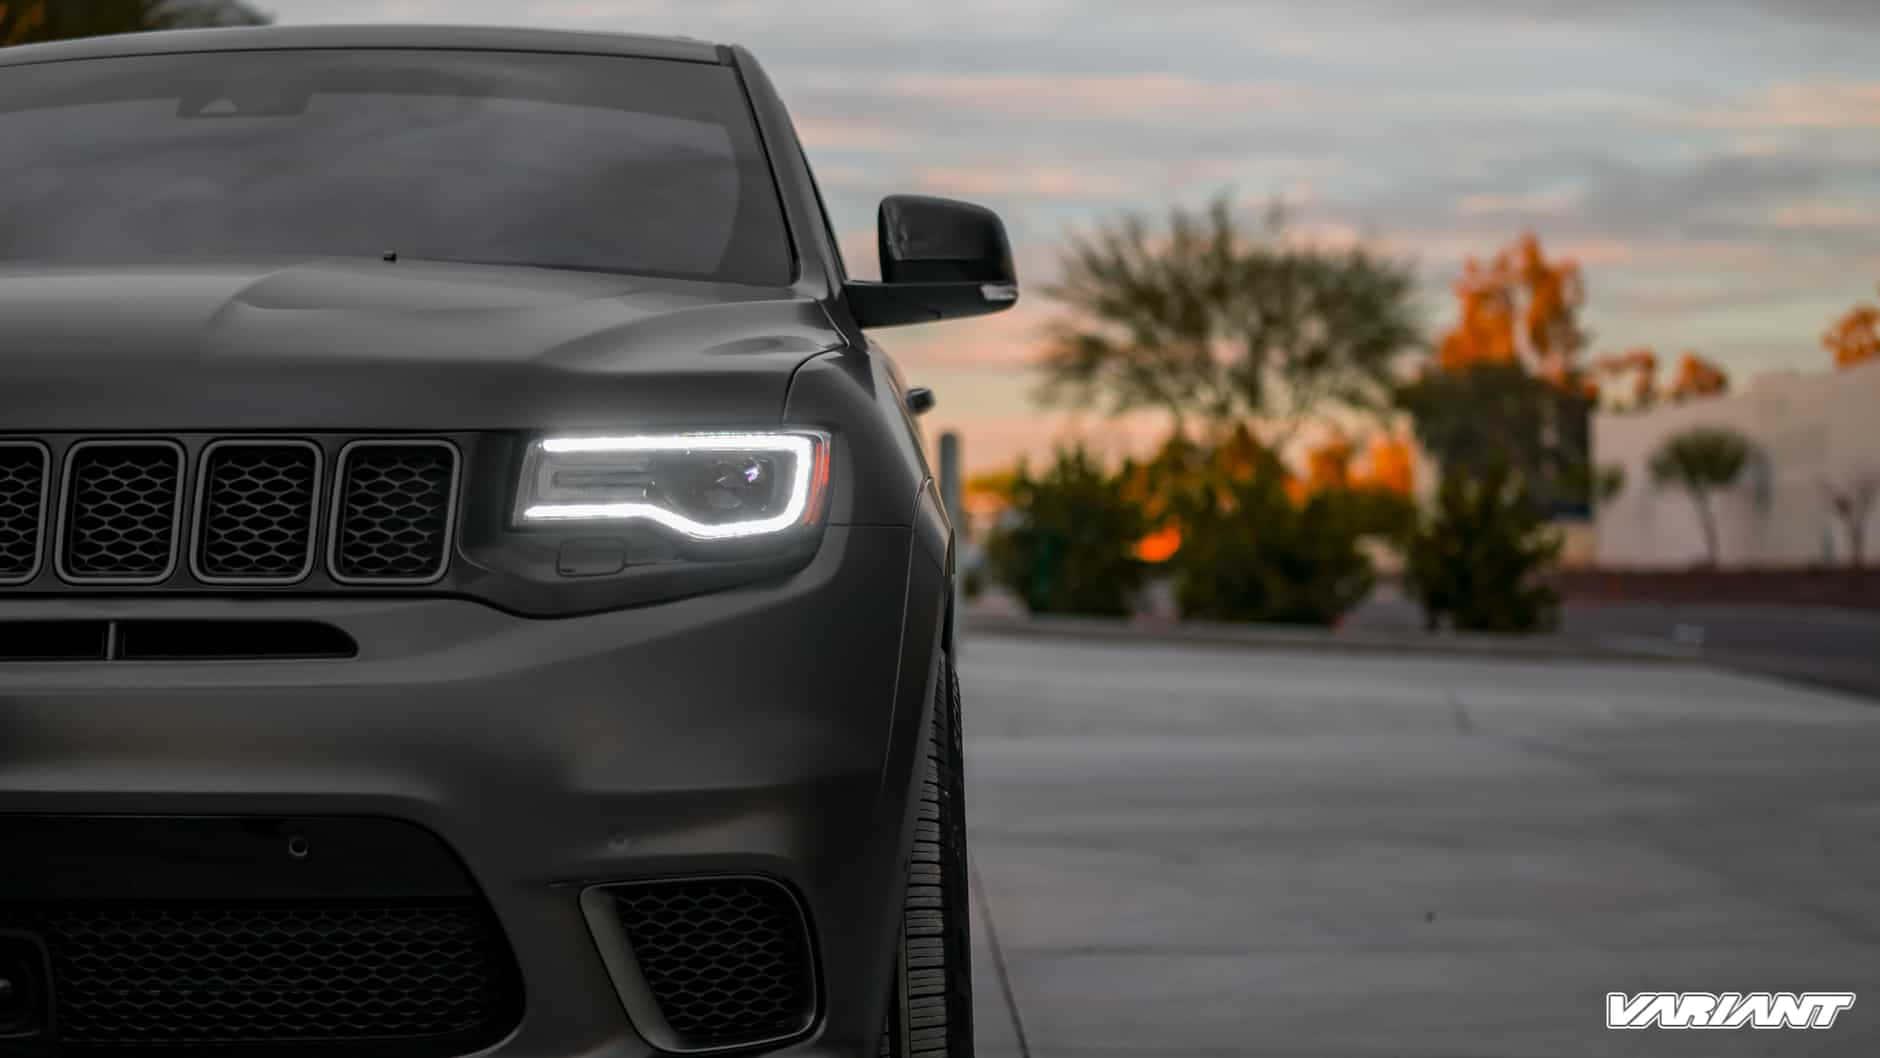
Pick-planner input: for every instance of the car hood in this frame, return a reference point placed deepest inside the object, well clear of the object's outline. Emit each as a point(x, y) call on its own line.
point(367, 346)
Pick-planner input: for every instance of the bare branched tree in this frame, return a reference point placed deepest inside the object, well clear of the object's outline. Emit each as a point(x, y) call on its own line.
point(1852, 499)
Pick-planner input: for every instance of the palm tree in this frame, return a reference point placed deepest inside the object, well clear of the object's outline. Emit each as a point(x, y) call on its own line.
point(38, 21)
point(1701, 461)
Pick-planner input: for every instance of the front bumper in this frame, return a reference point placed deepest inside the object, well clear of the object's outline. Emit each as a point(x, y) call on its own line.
point(768, 730)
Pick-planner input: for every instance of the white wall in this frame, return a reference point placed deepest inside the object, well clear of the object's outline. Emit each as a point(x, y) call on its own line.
point(1810, 429)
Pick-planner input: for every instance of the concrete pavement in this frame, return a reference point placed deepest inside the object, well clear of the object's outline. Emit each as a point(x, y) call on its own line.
point(1206, 851)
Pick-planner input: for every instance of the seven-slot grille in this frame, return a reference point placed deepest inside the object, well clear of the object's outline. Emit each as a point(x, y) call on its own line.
point(395, 513)
point(22, 509)
point(120, 517)
point(240, 510)
point(258, 504)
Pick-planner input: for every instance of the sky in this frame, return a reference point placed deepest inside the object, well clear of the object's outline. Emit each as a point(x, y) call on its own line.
point(1712, 166)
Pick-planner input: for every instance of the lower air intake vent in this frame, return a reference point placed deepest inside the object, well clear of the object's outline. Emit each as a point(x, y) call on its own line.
point(726, 960)
point(393, 979)
point(120, 511)
point(22, 509)
point(394, 518)
point(257, 518)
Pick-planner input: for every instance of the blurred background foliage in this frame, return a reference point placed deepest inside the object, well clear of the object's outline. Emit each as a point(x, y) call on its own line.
point(1255, 345)
point(38, 21)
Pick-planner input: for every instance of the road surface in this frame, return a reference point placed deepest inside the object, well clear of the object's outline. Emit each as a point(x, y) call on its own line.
point(1208, 851)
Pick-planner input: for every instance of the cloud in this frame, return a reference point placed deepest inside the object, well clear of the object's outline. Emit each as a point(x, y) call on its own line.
point(1816, 104)
point(1044, 181)
point(1118, 97)
point(1820, 214)
point(1527, 203)
point(850, 134)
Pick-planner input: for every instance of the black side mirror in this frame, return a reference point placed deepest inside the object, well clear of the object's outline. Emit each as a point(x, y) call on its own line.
point(940, 259)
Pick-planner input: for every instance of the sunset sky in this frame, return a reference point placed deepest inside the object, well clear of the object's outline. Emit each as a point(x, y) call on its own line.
point(1712, 166)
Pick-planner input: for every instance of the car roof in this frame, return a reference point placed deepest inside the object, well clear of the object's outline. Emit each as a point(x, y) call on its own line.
point(265, 38)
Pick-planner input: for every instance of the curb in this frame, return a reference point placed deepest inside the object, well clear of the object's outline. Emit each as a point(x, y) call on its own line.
point(1280, 637)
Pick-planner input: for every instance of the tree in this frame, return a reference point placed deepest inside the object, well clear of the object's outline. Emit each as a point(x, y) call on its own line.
point(1519, 306)
point(1855, 337)
point(1477, 561)
point(38, 21)
point(1642, 364)
point(1505, 389)
point(1207, 321)
point(1852, 500)
point(1498, 416)
point(1702, 461)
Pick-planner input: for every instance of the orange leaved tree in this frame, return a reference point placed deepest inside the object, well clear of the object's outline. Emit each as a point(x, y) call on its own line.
point(1855, 337)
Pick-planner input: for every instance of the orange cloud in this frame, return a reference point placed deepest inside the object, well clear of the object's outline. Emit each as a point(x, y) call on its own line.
point(848, 134)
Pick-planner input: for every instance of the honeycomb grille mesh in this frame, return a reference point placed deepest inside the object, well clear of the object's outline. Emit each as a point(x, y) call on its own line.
point(190, 975)
point(394, 520)
point(727, 960)
point(22, 501)
point(257, 511)
point(120, 511)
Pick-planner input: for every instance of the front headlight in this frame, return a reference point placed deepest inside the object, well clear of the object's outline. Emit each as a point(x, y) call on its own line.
point(703, 486)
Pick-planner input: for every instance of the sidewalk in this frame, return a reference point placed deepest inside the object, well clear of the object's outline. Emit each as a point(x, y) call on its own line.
point(1823, 646)
point(1291, 637)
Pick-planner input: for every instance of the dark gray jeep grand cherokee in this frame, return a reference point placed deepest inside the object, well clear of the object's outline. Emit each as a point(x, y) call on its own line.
point(467, 584)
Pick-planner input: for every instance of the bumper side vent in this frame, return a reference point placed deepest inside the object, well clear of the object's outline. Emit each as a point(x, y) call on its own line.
point(22, 509)
point(726, 962)
point(120, 515)
point(257, 512)
point(394, 512)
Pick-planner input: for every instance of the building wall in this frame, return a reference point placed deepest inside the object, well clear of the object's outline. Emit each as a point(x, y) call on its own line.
point(1809, 430)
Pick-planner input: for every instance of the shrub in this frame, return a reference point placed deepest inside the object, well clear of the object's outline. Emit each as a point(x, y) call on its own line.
point(1253, 554)
point(1476, 562)
point(1068, 545)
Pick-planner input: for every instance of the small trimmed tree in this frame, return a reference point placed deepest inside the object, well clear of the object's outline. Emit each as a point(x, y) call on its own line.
point(1477, 561)
point(1702, 461)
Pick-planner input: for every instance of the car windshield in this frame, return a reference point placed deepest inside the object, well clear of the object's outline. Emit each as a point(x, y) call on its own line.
point(589, 162)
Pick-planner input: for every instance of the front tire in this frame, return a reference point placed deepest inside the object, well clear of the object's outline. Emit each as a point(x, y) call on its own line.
point(930, 1008)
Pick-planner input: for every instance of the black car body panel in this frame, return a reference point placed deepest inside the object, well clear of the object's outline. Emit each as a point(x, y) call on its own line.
point(531, 723)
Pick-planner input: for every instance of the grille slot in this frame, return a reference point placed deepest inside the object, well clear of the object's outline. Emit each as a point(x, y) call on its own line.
point(393, 517)
point(409, 979)
point(727, 960)
point(121, 511)
point(22, 509)
point(256, 512)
